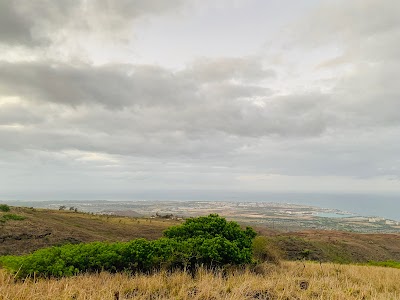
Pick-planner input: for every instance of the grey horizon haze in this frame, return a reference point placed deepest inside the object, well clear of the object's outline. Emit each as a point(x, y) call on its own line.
point(132, 98)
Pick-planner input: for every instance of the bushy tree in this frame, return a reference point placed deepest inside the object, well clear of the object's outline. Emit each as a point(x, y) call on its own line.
point(210, 227)
point(213, 241)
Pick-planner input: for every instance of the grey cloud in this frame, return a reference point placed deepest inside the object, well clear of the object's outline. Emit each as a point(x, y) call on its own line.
point(233, 91)
point(364, 30)
point(14, 29)
point(367, 33)
point(176, 109)
point(112, 86)
point(369, 97)
point(126, 9)
point(32, 23)
point(335, 20)
point(160, 100)
point(16, 114)
point(247, 69)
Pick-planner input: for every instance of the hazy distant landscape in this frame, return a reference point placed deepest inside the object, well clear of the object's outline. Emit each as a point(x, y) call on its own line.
point(283, 216)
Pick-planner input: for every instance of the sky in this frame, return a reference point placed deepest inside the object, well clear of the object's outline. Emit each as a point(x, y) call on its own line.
point(103, 99)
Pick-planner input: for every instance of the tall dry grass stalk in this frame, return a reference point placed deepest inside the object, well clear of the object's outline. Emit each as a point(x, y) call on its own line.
point(290, 280)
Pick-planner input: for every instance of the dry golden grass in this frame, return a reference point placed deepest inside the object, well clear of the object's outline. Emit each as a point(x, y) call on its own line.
point(290, 280)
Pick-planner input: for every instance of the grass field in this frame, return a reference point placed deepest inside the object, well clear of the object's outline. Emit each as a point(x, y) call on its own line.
point(290, 280)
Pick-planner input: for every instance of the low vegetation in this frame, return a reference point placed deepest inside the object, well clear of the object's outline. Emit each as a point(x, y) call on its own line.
point(265, 251)
point(14, 217)
point(389, 264)
point(207, 241)
point(4, 208)
point(5, 216)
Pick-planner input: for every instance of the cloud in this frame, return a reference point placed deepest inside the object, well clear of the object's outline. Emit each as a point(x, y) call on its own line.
point(38, 22)
point(30, 23)
point(14, 29)
point(114, 86)
point(364, 92)
point(248, 69)
point(212, 122)
point(349, 22)
point(17, 113)
point(157, 100)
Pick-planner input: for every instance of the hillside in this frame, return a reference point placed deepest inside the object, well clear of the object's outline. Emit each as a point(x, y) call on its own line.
point(43, 228)
point(335, 246)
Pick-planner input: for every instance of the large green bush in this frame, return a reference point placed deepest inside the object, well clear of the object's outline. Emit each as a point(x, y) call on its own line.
point(209, 241)
point(214, 241)
point(210, 227)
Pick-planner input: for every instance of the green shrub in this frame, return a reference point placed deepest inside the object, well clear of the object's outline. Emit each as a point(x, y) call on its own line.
point(264, 251)
point(389, 264)
point(210, 227)
point(306, 253)
point(4, 207)
point(213, 241)
point(196, 242)
point(14, 217)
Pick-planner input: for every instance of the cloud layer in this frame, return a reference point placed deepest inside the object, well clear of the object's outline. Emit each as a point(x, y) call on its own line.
point(256, 121)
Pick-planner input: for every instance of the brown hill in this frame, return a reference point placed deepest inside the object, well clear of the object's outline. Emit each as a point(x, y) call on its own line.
point(335, 246)
point(43, 227)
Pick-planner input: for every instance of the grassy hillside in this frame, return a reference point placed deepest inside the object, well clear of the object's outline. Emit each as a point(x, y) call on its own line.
point(290, 280)
point(23, 230)
point(42, 228)
point(336, 246)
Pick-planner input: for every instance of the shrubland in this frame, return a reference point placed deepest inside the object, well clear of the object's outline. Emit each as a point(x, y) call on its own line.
point(6, 216)
point(205, 241)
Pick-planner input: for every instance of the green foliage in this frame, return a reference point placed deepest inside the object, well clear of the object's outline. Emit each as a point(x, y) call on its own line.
point(264, 251)
point(213, 241)
point(306, 253)
point(209, 241)
point(389, 264)
point(210, 227)
point(4, 207)
point(14, 217)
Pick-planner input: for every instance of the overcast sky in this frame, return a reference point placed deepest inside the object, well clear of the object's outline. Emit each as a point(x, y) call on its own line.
point(108, 99)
